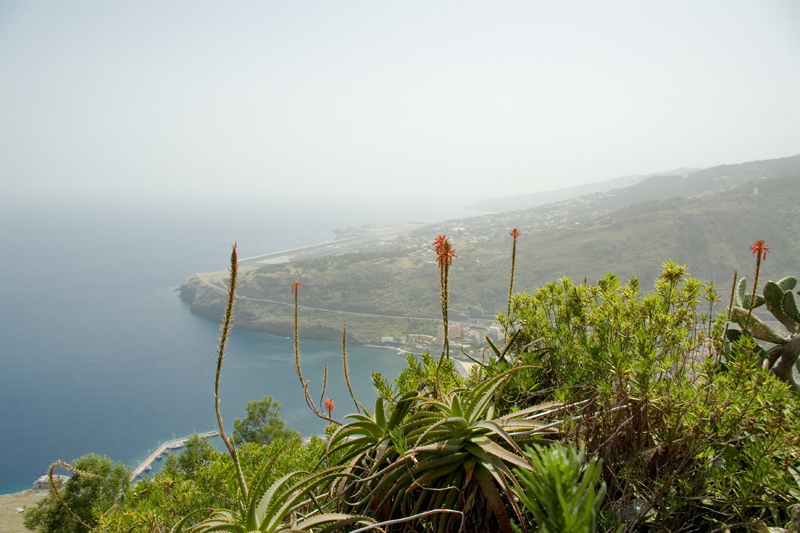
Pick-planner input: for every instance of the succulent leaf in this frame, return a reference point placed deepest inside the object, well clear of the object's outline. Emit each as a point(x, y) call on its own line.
point(789, 306)
point(773, 294)
point(740, 295)
point(743, 299)
point(788, 283)
point(756, 327)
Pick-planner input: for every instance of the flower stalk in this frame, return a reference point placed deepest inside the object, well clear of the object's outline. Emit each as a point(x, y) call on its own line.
point(296, 291)
point(759, 249)
point(303, 382)
point(224, 334)
point(346, 369)
point(445, 255)
point(728, 313)
point(514, 233)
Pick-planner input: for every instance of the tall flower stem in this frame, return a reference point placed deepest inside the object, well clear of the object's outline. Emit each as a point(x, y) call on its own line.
point(346, 369)
point(296, 291)
point(445, 301)
point(303, 382)
point(224, 334)
point(514, 233)
point(759, 249)
point(728, 313)
point(446, 253)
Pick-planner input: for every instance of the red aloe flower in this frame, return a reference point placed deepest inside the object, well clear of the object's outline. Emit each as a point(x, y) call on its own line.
point(438, 243)
point(759, 248)
point(514, 233)
point(329, 406)
point(444, 250)
point(295, 285)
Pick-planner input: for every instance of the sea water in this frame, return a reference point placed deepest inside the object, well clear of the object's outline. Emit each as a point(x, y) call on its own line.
point(99, 355)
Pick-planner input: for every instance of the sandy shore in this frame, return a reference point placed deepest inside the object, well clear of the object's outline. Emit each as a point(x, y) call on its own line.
point(10, 519)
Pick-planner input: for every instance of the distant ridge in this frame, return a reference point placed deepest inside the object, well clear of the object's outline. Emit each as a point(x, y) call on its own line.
point(524, 201)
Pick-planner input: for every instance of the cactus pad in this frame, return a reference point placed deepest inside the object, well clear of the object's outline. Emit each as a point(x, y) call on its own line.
point(774, 296)
point(756, 327)
point(789, 307)
point(788, 283)
point(742, 298)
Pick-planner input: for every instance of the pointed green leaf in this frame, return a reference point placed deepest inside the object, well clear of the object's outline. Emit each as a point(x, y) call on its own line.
point(380, 414)
point(493, 498)
point(494, 348)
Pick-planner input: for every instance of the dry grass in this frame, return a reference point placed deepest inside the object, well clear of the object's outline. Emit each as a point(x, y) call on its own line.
point(10, 519)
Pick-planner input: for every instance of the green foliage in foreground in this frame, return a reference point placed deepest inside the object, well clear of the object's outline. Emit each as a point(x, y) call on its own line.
point(684, 430)
point(560, 495)
point(202, 478)
point(692, 434)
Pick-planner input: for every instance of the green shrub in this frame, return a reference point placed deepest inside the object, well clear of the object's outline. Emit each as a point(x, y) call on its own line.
point(562, 496)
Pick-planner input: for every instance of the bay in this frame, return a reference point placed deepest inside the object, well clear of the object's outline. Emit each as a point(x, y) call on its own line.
point(99, 355)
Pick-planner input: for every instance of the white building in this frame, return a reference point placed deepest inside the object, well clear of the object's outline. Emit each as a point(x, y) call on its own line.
point(43, 483)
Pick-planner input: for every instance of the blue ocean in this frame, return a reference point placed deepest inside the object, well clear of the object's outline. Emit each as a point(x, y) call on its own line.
point(99, 355)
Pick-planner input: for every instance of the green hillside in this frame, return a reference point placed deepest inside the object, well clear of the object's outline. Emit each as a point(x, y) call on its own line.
point(711, 234)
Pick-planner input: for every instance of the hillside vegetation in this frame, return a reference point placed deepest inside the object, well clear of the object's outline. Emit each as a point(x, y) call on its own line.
point(720, 212)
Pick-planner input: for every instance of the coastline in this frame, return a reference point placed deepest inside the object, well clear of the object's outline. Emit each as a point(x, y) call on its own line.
point(400, 351)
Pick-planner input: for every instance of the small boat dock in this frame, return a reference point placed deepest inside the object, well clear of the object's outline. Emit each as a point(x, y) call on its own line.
point(146, 465)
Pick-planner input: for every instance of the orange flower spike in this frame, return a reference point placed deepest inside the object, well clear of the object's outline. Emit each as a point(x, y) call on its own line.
point(759, 248)
point(295, 285)
point(450, 254)
point(329, 406)
point(444, 250)
point(439, 243)
point(514, 233)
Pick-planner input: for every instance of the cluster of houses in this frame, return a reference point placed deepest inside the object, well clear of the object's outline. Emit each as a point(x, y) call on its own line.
point(456, 333)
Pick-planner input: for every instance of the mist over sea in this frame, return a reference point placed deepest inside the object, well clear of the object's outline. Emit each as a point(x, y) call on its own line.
point(99, 355)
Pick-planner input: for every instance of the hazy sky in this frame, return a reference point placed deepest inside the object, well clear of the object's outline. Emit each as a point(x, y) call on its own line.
point(461, 100)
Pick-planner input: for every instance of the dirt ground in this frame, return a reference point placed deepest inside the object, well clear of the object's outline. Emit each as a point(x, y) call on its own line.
point(10, 519)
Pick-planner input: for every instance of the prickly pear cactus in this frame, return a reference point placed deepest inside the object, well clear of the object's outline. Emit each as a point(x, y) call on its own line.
point(780, 301)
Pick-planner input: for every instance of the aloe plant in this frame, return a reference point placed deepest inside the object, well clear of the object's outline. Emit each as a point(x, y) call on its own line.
point(449, 454)
point(278, 509)
point(779, 299)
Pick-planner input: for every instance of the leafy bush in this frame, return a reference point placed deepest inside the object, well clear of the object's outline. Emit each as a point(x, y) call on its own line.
point(559, 492)
point(93, 489)
point(688, 438)
point(262, 424)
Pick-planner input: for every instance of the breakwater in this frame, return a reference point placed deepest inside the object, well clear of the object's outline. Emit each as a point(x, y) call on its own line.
point(174, 444)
